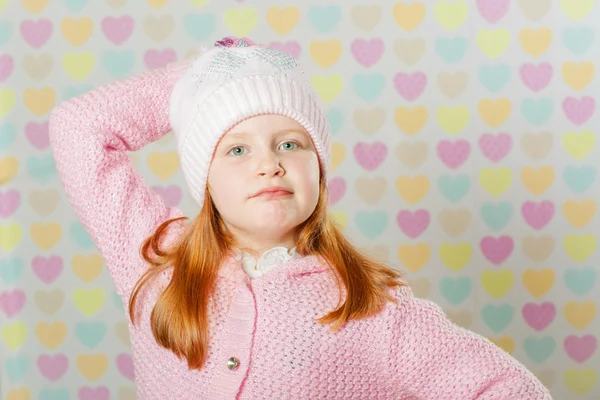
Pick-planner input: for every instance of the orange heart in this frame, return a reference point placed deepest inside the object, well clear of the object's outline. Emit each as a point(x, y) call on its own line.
point(494, 113)
point(580, 315)
point(283, 20)
point(538, 283)
point(51, 335)
point(505, 343)
point(325, 53)
point(411, 120)
point(77, 31)
point(409, 16)
point(412, 189)
point(537, 180)
point(414, 257)
point(579, 213)
point(535, 41)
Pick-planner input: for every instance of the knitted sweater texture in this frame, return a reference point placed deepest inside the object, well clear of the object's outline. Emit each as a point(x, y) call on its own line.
point(411, 350)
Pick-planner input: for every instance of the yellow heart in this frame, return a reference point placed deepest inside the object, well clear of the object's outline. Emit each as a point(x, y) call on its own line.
point(578, 75)
point(325, 53)
point(412, 189)
point(7, 101)
point(163, 165)
point(580, 381)
point(78, 66)
point(505, 343)
point(537, 180)
point(35, 6)
point(495, 181)
point(580, 247)
point(580, 315)
point(87, 268)
point(3, 4)
point(579, 145)
point(494, 113)
point(414, 257)
point(455, 257)
point(8, 169)
point(577, 9)
point(45, 235)
point(411, 120)
point(497, 283)
point(18, 394)
point(241, 21)
point(10, 236)
point(493, 43)
point(538, 283)
point(451, 15)
point(453, 119)
point(89, 302)
point(328, 87)
point(51, 335)
point(283, 20)
point(579, 213)
point(14, 335)
point(199, 3)
point(92, 366)
point(39, 101)
point(77, 31)
point(409, 16)
point(157, 3)
point(535, 41)
point(338, 153)
point(340, 218)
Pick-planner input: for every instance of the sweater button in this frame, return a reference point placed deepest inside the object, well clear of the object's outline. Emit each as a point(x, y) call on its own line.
point(233, 363)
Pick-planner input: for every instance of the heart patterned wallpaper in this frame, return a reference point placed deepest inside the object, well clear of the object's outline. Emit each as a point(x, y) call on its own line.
point(465, 153)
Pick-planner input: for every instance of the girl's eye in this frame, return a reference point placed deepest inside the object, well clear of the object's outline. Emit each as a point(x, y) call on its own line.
point(237, 151)
point(289, 145)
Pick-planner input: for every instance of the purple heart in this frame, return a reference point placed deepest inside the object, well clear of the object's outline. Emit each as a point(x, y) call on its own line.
point(11, 302)
point(47, 268)
point(159, 58)
point(9, 202)
point(492, 10)
point(117, 30)
point(37, 134)
point(367, 53)
point(537, 215)
point(99, 393)
point(292, 48)
point(36, 33)
point(579, 110)
point(410, 86)
point(6, 67)
point(53, 367)
point(337, 188)
point(413, 223)
point(125, 365)
point(580, 349)
point(539, 316)
point(370, 156)
point(536, 77)
point(170, 194)
point(495, 147)
point(497, 250)
point(453, 155)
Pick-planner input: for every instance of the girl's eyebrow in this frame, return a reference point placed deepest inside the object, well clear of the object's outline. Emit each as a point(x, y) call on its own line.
point(279, 132)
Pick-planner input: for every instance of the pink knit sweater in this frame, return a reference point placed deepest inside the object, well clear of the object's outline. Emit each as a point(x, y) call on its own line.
point(408, 351)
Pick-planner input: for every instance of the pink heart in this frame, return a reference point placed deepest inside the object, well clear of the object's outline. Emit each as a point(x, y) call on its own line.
point(492, 10)
point(337, 188)
point(580, 349)
point(37, 134)
point(6, 67)
point(170, 194)
point(497, 250)
point(367, 53)
point(99, 393)
point(410, 86)
point(453, 155)
point(539, 316)
point(537, 215)
point(9, 202)
point(579, 111)
point(53, 367)
point(413, 223)
point(125, 366)
point(11, 302)
point(36, 33)
point(158, 59)
point(536, 77)
point(117, 30)
point(47, 268)
point(292, 48)
point(370, 156)
point(495, 147)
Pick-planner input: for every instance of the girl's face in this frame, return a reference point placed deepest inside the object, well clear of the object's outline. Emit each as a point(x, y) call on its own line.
point(272, 153)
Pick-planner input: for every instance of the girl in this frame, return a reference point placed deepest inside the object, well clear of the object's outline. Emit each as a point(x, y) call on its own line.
point(260, 296)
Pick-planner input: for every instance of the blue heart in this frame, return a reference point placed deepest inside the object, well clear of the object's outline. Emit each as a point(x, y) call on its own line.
point(368, 87)
point(16, 368)
point(5, 32)
point(497, 317)
point(494, 77)
point(578, 41)
point(76, 5)
point(496, 216)
point(451, 50)
point(11, 269)
point(200, 26)
point(455, 290)
point(118, 63)
point(537, 112)
point(54, 394)
point(118, 302)
point(80, 236)
point(454, 188)
point(90, 334)
point(74, 91)
point(580, 281)
point(325, 18)
point(335, 117)
point(371, 224)
point(8, 133)
point(41, 168)
point(539, 350)
point(579, 179)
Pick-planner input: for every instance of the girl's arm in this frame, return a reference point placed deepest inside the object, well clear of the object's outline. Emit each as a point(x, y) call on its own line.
point(440, 360)
point(90, 136)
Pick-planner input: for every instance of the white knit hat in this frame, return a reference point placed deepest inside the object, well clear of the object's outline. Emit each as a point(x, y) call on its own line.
point(228, 83)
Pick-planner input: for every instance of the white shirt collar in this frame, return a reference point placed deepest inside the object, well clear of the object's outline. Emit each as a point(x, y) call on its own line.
point(266, 262)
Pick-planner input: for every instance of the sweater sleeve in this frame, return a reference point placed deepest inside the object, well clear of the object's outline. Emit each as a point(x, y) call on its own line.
point(90, 136)
point(435, 359)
